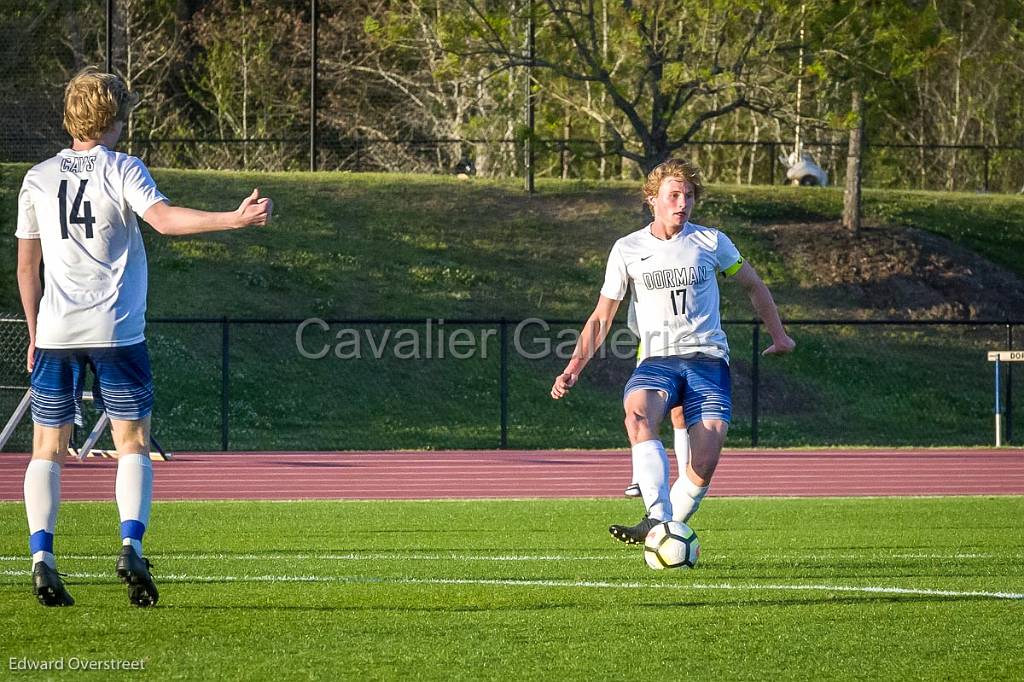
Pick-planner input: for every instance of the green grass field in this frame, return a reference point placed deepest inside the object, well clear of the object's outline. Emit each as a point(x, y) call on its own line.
point(888, 588)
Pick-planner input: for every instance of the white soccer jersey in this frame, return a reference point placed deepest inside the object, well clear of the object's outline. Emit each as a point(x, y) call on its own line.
point(675, 290)
point(82, 206)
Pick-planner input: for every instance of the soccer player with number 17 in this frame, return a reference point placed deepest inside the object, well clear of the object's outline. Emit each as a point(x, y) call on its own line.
point(76, 216)
point(671, 265)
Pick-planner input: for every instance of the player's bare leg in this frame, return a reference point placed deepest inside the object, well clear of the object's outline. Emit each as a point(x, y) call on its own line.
point(706, 441)
point(680, 445)
point(42, 502)
point(645, 410)
point(134, 492)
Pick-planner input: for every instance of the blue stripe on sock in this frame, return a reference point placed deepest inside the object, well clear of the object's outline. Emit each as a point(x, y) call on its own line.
point(40, 541)
point(132, 530)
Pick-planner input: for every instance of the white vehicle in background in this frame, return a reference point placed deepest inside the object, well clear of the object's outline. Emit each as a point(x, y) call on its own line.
point(803, 170)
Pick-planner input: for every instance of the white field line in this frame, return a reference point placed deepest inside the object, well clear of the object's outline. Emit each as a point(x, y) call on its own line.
point(454, 556)
point(354, 556)
point(588, 584)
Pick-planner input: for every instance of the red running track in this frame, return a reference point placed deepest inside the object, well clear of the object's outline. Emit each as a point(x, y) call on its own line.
point(551, 473)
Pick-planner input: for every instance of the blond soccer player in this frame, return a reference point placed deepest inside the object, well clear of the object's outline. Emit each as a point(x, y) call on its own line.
point(77, 217)
point(673, 266)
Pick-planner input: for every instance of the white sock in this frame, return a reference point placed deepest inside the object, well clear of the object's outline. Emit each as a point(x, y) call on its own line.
point(686, 496)
point(42, 500)
point(681, 445)
point(651, 465)
point(133, 489)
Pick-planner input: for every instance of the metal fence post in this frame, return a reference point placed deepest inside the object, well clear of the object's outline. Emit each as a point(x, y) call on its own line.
point(503, 384)
point(755, 356)
point(313, 142)
point(528, 152)
point(225, 345)
point(110, 36)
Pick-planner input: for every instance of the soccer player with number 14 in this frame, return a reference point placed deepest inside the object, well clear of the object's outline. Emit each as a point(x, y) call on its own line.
point(77, 216)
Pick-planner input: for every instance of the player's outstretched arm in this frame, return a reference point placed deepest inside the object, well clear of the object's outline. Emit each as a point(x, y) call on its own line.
point(591, 338)
point(765, 307)
point(178, 220)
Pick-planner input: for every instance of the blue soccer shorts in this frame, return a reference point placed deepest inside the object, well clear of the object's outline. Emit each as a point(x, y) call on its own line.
point(123, 387)
point(702, 385)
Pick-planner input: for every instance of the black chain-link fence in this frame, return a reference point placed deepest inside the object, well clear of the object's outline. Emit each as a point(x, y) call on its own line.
point(239, 86)
point(440, 384)
point(14, 379)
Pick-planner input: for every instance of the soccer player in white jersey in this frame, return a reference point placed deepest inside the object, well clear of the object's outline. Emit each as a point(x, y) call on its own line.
point(672, 266)
point(77, 217)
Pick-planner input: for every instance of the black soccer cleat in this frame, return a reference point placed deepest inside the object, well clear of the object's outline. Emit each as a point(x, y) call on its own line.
point(632, 490)
point(633, 535)
point(133, 570)
point(48, 587)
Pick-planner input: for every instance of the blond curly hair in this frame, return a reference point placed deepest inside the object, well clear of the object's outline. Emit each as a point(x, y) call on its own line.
point(673, 168)
point(94, 101)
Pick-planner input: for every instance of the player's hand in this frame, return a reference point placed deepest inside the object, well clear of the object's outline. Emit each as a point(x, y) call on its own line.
point(563, 382)
point(780, 346)
point(30, 359)
point(255, 210)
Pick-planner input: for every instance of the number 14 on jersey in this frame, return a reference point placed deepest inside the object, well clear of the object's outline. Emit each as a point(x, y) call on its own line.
point(77, 205)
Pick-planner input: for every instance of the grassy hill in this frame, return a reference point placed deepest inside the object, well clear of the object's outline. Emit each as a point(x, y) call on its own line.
point(416, 247)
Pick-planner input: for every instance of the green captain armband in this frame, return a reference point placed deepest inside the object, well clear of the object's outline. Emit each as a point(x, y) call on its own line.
point(734, 268)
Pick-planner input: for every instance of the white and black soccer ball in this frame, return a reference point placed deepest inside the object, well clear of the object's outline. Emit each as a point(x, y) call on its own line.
point(671, 544)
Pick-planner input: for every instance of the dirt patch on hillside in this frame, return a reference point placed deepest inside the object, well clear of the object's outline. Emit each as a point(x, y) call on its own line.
point(899, 272)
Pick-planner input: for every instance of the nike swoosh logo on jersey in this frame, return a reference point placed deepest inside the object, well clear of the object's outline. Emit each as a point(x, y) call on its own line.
point(646, 257)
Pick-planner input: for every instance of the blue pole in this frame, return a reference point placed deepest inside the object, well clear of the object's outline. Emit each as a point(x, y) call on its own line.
point(999, 422)
point(998, 406)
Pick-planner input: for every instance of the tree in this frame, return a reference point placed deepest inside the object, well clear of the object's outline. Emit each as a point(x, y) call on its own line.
point(250, 80)
point(665, 69)
point(45, 43)
point(970, 91)
point(388, 79)
point(854, 158)
point(868, 48)
point(147, 46)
